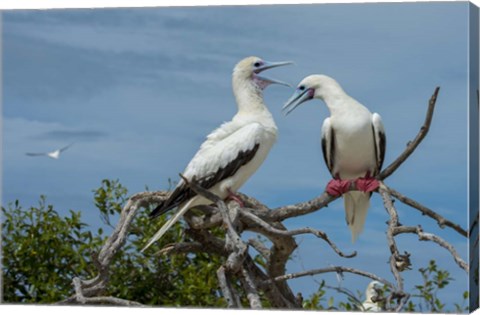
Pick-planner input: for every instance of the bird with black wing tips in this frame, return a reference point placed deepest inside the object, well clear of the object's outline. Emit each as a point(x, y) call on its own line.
point(353, 144)
point(232, 152)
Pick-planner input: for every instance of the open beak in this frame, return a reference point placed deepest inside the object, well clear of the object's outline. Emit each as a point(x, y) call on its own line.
point(269, 65)
point(298, 97)
point(267, 81)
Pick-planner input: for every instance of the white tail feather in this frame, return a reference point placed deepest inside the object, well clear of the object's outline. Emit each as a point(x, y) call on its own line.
point(356, 207)
point(180, 212)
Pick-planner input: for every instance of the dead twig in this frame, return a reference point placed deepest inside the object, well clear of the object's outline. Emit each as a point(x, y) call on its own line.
point(336, 269)
point(395, 259)
point(412, 145)
point(249, 284)
point(305, 230)
point(423, 236)
point(178, 248)
point(442, 222)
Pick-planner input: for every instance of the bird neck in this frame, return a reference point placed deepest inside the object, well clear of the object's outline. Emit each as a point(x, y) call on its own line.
point(248, 95)
point(332, 92)
point(370, 293)
point(336, 99)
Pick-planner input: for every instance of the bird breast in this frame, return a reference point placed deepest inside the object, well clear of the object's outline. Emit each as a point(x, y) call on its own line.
point(354, 146)
point(265, 140)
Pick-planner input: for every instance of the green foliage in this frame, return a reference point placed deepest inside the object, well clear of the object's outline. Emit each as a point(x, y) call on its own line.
point(109, 199)
point(434, 279)
point(44, 251)
point(316, 299)
point(354, 301)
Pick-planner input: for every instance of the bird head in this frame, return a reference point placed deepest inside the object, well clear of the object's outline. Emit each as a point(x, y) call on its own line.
point(249, 69)
point(313, 86)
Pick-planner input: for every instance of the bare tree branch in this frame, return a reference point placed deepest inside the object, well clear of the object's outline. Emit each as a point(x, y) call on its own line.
point(233, 240)
point(179, 248)
point(305, 230)
point(403, 301)
point(248, 282)
point(95, 286)
point(412, 145)
point(233, 300)
point(442, 222)
point(259, 247)
point(302, 208)
point(423, 236)
point(395, 259)
point(335, 269)
point(80, 298)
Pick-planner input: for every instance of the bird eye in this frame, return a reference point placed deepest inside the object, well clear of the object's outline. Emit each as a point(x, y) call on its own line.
point(301, 87)
point(257, 64)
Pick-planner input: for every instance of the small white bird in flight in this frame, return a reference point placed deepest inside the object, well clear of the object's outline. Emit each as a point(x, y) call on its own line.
point(54, 154)
point(353, 145)
point(232, 152)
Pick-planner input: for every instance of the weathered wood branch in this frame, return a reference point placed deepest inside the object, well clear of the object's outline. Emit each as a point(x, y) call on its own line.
point(250, 286)
point(412, 145)
point(99, 299)
point(424, 236)
point(238, 249)
point(442, 222)
point(95, 286)
point(181, 248)
point(232, 298)
point(330, 269)
point(302, 208)
point(396, 261)
point(306, 230)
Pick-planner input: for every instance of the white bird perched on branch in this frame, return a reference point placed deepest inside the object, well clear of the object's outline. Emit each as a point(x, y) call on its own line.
point(371, 304)
point(54, 154)
point(353, 144)
point(232, 152)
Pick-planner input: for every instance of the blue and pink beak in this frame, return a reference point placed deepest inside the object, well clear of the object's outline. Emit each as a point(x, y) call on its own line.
point(261, 66)
point(301, 95)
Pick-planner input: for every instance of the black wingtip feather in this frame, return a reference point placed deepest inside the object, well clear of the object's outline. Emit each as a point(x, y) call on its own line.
point(182, 193)
point(155, 212)
point(158, 211)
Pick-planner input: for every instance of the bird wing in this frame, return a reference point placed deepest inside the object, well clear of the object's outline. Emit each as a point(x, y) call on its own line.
point(380, 141)
point(328, 147)
point(36, 154)
point(226, 150)
point(66, 147)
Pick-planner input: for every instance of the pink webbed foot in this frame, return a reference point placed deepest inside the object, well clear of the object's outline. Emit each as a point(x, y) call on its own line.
point(235, 197)
point(367, 184)
point(337, 187)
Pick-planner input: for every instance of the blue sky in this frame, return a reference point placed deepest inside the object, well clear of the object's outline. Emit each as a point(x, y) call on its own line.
point(137, 90)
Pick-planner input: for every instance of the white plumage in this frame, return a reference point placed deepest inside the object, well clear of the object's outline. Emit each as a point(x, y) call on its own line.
point(353, 143)
point(370, 293)
point(234, 151)
point(53, 155)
